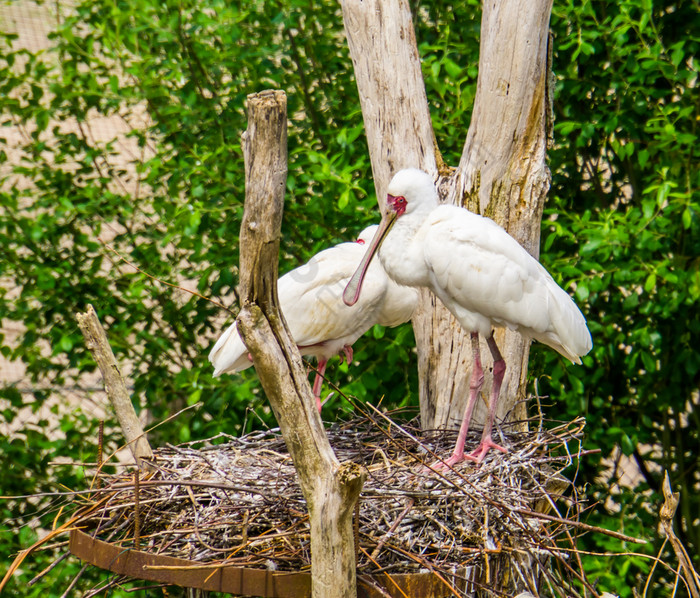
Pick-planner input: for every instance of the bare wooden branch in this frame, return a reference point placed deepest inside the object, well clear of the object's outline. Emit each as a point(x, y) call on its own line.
point(96, 341)
point(668, 510)
point(330, 488)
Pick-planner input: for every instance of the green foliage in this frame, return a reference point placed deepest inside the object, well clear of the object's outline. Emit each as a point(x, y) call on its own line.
point(621, 228)
point(177, 75)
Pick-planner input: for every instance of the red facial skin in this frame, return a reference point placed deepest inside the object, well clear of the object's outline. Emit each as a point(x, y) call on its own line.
point(396, 203)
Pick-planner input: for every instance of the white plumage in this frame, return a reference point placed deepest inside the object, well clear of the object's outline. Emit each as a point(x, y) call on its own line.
point(320, 323)
point(481, 274)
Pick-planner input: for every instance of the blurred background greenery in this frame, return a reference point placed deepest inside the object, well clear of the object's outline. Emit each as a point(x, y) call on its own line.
point(165, 190)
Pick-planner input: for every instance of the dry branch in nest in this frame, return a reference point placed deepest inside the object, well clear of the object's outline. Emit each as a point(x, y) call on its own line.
point(237, 501)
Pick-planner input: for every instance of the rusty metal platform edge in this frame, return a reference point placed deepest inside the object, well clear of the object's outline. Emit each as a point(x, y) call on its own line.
point(242, 581)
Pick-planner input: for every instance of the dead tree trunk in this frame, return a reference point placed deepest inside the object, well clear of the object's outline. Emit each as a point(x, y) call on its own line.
point(501, 174)
point(330, 488)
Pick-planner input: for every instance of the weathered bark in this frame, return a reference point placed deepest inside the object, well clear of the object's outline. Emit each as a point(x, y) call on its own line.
point(668, 510)
point(96, 341)
point(390, 83)
point(501, 174)
point(330, 488)
point(385, 58)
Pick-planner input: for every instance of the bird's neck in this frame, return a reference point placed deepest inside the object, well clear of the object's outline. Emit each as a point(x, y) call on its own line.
point(402, 255)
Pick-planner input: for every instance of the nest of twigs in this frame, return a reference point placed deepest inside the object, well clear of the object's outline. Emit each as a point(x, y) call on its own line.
point(237, 501)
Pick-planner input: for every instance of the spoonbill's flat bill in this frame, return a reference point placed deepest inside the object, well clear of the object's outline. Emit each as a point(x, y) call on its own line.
point(481, 274)
point(320, 323)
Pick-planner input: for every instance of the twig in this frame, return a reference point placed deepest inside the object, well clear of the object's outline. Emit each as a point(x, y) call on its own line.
point(137, 511)
point(580, 525)
point(160, 280)
point(69, 589)
point(653, 567)
point(392, 529)
point(58, 561)
point(371, 557)
point(100, 447)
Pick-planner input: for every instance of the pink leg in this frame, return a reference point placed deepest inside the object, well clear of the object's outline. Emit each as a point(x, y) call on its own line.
point(475, 384)
point(499, 370)
point(318, 381)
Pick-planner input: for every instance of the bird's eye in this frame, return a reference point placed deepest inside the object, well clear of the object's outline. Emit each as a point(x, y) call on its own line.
point(397, 203)
point(361, 241)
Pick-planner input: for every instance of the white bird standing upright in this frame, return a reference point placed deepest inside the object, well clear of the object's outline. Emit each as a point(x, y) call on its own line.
point(481, 274)
point(320, 323)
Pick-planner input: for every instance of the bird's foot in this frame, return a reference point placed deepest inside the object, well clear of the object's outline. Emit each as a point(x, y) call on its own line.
point(480, 452)
point(445, 464)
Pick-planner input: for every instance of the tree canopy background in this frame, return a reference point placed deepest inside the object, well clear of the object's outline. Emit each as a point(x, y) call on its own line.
point(621, 231)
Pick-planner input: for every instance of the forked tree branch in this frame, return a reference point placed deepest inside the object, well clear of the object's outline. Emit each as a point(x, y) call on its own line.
point(330, 488)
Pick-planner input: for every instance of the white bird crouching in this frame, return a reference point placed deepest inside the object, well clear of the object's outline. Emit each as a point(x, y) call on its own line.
point(481, 274)
point(320, 323)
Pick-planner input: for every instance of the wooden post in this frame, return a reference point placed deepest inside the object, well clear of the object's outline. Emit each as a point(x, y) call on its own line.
point(330, 488)
point(96, 341)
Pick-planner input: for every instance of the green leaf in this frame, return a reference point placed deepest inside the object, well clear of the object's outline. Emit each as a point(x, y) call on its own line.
point(453, 69)
point(66, 343)
point(678, 54)
point(687, 218)
point(643, 157)
point(648, 361)
point(344, 199)
point(648, 208)
point(591, 245)
point(662, 193)
point(582, 291)
point(650, 283)
point(627, 445)
point(194, 396)
point(42, 120)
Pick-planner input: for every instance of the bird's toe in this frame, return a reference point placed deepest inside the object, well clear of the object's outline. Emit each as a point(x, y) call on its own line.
point(480, 452)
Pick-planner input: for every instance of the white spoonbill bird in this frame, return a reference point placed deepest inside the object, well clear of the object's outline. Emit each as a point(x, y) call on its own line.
point(320, 323)
point(481, 274)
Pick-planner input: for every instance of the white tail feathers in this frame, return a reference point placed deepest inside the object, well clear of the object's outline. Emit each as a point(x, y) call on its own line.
point(568, 333)
point(229, 354)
